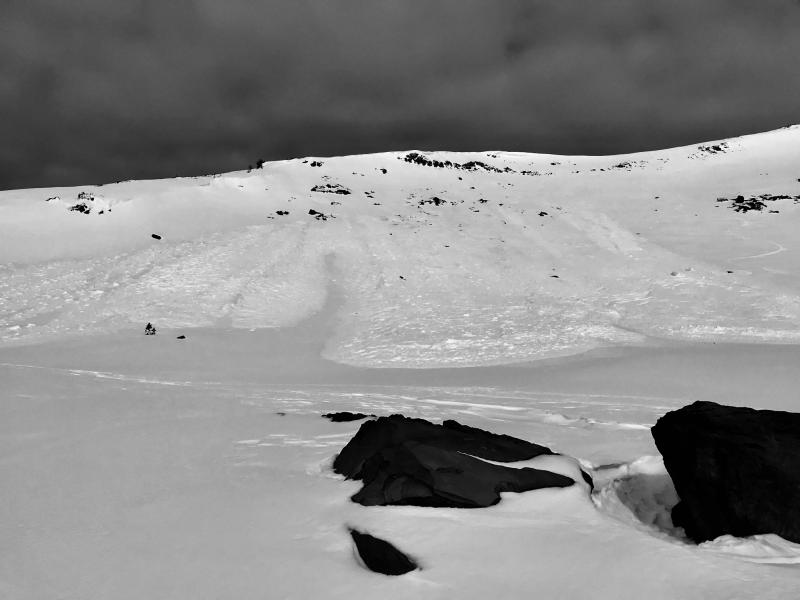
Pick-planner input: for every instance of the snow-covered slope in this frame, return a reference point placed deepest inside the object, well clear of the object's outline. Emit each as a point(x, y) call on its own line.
point(491, 257)
point(136, 466)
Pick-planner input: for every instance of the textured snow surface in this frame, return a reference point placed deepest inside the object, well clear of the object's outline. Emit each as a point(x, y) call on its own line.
point(136, 466)
point(167, 468)
point(435, 266)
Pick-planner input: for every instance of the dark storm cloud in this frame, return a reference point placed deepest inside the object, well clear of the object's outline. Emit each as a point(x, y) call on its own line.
point(98, 90)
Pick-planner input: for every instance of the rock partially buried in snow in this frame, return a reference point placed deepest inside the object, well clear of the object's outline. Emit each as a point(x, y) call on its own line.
point(412, 461)
point(380, 556)
point(346, 416)
point(736, 470)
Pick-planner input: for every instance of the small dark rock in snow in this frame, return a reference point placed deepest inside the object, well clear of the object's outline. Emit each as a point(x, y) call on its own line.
point(736, 470)
point(181, 337)
point(282, 213)
point(381, 556)
point(404, 461)
point(318, 215)
point(383, 171)
point(155, 236)
point(588, 479)
point(435, 201)
point(345, 416)
point(149, 329)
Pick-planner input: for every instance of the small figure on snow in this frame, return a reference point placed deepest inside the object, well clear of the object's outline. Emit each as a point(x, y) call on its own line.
point(149, 329)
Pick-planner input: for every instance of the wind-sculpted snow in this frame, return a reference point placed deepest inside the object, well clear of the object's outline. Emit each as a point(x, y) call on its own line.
point(502, 268)
point(120, 452)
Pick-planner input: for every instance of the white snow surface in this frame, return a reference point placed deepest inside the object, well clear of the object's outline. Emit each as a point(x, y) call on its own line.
point(136, 466)
point(629, 247)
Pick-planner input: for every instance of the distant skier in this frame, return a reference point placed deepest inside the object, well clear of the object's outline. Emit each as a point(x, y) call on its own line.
point(149, 329)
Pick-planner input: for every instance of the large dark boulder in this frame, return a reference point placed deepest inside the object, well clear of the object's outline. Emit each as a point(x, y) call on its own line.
point(412, 461)
point(736, 470)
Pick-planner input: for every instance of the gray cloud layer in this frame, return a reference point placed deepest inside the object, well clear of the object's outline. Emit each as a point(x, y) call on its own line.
point(100, 90)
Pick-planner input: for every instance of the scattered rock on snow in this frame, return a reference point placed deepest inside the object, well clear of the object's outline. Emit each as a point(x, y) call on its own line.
point(713, 148)
point(381, 556)
point(736, 470)
point(331, 188)
point(155, 236)
point(86, 202)
point(756, 203)
point(412, 461)
point(81, 207)
point(436, 201)
point(473, 165)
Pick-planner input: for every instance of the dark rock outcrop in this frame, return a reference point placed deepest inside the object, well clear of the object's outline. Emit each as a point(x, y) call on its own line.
point(435, 201)
point(412, 461)
point(331, 188)
point(381, 556)
point(473, 165)
point(81, 207)
point(346, 416)
point(741, 204)
point(318, 215)
point(736, 470)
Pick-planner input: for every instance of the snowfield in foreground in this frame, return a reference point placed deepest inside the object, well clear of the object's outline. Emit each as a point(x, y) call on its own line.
point(419, 283)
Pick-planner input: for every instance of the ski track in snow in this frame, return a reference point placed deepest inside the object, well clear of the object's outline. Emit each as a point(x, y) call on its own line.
point(778, 249)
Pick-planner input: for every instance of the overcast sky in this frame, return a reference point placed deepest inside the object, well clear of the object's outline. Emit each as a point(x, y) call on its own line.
point(94, 91)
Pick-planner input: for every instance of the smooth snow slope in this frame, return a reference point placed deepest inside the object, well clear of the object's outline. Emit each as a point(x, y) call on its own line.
point(629, 247)
point(137, 466)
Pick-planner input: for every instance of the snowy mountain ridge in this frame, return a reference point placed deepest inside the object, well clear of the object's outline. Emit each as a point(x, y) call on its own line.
point(429, 258)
